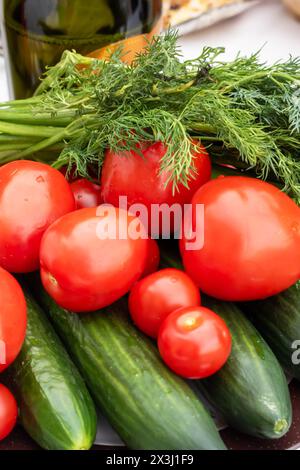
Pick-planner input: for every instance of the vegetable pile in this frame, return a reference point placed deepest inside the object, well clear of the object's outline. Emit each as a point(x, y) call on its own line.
point(100, 291)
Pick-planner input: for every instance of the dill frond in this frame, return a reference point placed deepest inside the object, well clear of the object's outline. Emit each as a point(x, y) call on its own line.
point(246, 111)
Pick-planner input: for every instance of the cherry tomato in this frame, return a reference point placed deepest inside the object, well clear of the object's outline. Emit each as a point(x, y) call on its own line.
point(251, 240)
point(194, 342)
point(8, 412)
point(12, 319)
point(32, 196)
point(153, 258)
point(86, 194)
point(84, 268)
point(153, 298)
point(139, 178)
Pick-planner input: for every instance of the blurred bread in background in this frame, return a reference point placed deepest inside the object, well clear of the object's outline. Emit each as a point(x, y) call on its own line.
point(178, 12)
point(294, 6)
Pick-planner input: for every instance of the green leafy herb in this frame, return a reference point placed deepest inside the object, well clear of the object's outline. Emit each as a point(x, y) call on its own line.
point(245, 111)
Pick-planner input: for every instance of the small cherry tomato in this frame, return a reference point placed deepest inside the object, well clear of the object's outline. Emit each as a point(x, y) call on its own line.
point(32, 196)
point(86, 194)
point(153, 298)
point(8, 412)
point(194, 342)
point(153, 258)
point(85, 268)
point(12, 319)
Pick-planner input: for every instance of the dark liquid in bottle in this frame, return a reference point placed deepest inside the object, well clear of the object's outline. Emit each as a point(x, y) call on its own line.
point(38, 31)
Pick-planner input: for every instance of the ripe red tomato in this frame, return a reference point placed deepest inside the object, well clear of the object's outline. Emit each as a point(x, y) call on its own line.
point(32, 196)
point(8, 412)
point(139, 178)
point(194, 342)
point(86, 194)
point(153, 258)
point(12, 319)
point(85, 268)
point(251, 240)
point(153, 298)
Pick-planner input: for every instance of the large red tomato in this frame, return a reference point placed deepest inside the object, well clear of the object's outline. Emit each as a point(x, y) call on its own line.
point(12, 319)
point(8, 412)
point(194, 342)
point(251, 240)
point(83, 266)
point(32, 196)
point(138, 177)
point(153, 298)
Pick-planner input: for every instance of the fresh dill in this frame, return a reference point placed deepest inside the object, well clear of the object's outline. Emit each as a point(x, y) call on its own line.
point(245, 111)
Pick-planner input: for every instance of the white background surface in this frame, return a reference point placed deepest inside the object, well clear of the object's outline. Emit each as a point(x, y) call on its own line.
point(268, 24)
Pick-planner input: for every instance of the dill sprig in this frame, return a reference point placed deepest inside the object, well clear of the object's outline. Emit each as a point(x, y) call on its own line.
point(245, 111)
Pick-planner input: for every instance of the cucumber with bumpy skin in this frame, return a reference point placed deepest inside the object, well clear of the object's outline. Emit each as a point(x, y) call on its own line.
point(250, 390)
point(278, 321)
point(149, 406)
point(55, 407)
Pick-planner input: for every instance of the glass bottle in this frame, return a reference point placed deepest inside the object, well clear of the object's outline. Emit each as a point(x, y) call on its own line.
point(36, 32)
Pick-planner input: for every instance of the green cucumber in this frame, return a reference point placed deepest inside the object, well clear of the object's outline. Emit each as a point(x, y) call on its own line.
point(251, 390)
point(278, 320)
point(55, 407)
point(148, 406)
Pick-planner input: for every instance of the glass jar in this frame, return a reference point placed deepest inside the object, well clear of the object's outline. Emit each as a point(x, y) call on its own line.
point(37, 32)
